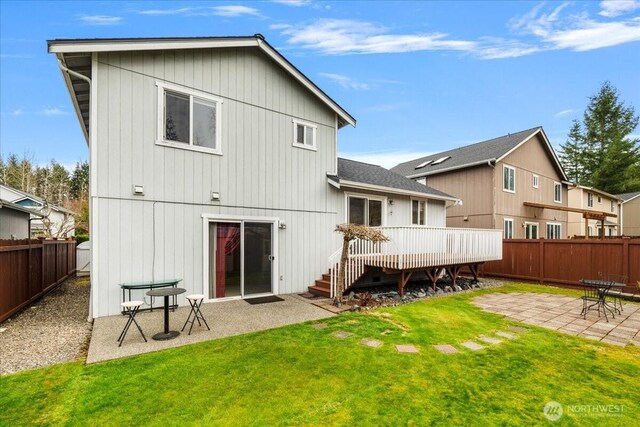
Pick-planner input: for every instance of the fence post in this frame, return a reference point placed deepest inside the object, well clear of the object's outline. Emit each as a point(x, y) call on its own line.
point(42, 275)
point(625, 259)
point(541, 260)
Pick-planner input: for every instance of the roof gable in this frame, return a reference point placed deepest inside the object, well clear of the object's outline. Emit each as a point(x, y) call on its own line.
point(488, 151)
point(627, 197)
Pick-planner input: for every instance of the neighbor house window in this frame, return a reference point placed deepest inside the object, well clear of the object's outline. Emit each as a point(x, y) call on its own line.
point(613, 206)
point(188, 118)
point(418, 211)
point(530, 230)
point(557, 192)
point(536, 181)
point(509, 179)
point(364, 211)
point(590, 200)
point(304, 135)
point(599, 199)
point(553, 231)
point(508, 228)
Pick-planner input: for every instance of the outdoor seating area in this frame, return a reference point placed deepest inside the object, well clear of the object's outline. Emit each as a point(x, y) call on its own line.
point(596, 292)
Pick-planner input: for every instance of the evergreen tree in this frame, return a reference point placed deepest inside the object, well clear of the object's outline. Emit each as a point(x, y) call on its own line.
point(79, 185)
point(572, 154)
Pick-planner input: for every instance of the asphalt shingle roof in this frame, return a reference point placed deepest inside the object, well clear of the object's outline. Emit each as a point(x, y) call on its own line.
point(469, 154)
point(366, 173)
point(627, 196)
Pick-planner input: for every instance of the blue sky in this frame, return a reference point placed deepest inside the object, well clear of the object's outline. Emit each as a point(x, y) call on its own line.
point(420, 77)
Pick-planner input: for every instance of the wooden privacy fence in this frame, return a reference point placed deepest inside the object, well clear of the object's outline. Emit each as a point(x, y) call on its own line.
point(31, 268)
point(567, 261)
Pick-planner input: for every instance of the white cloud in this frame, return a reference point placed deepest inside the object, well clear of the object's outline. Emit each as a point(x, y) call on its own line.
point(386, 159)
point(613, 8)
point(54, 112)
point(17, 112)
point(345, 82)
point(229, 11)
point(563, 113)
point(296, 3)
point(100, 19)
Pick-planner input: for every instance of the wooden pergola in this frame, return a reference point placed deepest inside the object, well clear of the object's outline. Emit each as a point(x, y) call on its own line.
point(586, 214)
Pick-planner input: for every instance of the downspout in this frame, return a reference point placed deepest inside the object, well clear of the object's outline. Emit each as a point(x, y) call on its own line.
point(88, 80)
point(493, 194)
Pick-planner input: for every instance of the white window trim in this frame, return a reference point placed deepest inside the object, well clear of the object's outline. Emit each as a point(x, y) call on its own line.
point(383, 199)
point(555, 224)
point(589, 196)
point(537, 224)
point(297, 122)
point(424, 213)
point(557, 184)
point(162, 86)
point(536, 181)
point(504, 228)
point(506, 190)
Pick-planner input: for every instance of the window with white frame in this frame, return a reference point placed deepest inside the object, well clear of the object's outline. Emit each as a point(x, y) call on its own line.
point(530, 230)
point(536, 181)
point(590, 200)
point(553, 231)
point(418, 212)
point(509, 179)
point(599, 199)
point(365, 211)
point(557, 192)
point(508, 228)
point(188, 118)
point(613, 206)
point(304, 135)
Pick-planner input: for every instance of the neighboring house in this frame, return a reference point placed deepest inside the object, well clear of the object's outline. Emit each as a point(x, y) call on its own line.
point(514, 183)
point(62, 221)
point(597, 202)
point(630, 213)
point(214, 160)
point(14, 221)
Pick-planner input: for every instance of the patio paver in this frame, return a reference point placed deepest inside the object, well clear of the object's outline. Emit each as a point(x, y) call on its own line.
point(472, 345)
point(489, 340)
point(506, 335)
point(446, 349)
point(342, 334)
point(371, 343)
point(562, 313)
point(406, 348)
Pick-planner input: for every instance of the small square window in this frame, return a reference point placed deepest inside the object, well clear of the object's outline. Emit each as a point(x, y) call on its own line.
point(304, 135)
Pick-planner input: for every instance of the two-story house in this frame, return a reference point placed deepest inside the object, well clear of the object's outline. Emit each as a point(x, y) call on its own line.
point(593, 201)
point(630, 213)
point(214, 160)
point(514, 183)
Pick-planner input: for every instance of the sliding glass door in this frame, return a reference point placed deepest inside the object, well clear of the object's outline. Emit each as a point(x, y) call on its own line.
point(240, 259)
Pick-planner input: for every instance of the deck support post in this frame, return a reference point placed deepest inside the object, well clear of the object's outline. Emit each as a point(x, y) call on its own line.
point(453, 271)
point(433, 275)
point(474, 270)
point(404, 278)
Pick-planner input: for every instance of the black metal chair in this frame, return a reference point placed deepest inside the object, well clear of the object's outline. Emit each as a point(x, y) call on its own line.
point(195, 301)
point(591, 298)
point(616, 293)
point(130, 308)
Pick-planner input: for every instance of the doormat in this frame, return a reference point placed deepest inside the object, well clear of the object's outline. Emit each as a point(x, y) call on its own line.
point(263, 300)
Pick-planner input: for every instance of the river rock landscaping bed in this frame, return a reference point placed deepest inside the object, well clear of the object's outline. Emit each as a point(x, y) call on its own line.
point(53, 330)
point(366, 298)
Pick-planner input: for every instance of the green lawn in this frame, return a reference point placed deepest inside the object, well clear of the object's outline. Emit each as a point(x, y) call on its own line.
point(297, 375)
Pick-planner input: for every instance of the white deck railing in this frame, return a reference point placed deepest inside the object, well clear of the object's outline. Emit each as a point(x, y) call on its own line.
point(411, 247)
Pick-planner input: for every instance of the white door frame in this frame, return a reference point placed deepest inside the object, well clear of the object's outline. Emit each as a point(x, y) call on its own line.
point(209, 218)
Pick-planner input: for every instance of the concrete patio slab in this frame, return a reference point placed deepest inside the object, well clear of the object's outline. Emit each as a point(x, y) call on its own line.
point(371, 343)
point(225, 318)
point(403, 348)
point(472, 345)
point(489, 340)
point(342, 334)
point(563, 313)
point(446, 349)
point(506, 335)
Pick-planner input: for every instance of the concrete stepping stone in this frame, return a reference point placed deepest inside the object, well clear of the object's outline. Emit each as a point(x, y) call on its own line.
point(446, 349)
point(517, 329)
point(506, 335)
point(319, 326)
point(341, 334)
point(472, 345)
point(403, 348)
point(489, 340)
point(371, 343)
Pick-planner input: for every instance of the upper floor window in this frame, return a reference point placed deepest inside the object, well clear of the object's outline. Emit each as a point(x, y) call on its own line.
point(304, 135)
point(188, 118)
point(509, 179)
point(536, 181)
point(590, 200)
point(508, 228)
point(418, 211)
point(557, 192)
point(613, 206)
point(599, 199)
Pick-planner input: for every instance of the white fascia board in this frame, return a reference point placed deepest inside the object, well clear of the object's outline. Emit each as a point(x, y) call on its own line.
point(137, 45)
point(452, 168)
point(380, 188)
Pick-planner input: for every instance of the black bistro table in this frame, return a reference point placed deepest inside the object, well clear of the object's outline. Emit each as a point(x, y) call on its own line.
point(602, 287)
point(166, 293)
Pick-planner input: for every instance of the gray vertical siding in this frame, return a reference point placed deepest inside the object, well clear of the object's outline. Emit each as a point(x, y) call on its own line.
point(13, 224)
point(259, 173)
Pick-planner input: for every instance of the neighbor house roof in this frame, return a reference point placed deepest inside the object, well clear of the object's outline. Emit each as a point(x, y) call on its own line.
point(489, 151)
point(9, 205)
point(23, 196)
point(595, 190)
point(628, 196)
point(356, 174)
point(75, 55)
